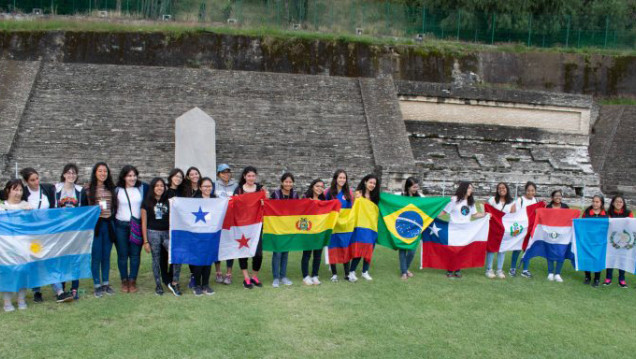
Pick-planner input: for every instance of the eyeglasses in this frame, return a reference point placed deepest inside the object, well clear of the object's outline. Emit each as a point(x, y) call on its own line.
point(207, 186)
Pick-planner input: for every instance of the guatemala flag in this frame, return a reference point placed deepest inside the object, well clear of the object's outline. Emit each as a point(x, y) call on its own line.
point(195, 229)
point(601, 243)
point(552, 234)
point(47, 246)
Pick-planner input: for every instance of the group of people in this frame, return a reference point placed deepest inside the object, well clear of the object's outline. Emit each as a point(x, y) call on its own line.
point(129, 206)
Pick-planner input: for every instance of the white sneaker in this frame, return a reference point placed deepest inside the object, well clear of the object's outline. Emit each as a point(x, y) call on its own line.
point(490, 274)
point(551, 277)
point(22, 304)
point(307, 281)
point(366, 276)
point(315, 280)
point(334, 278)
point(557, 278)
point(352, 277)
point(500, 274)
point(8, 307)
point(276, 283)
point(286, 281)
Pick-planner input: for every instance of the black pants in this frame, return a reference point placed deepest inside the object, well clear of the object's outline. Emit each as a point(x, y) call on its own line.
point(257, 260)
point(201, 275)
point(334, 271)
point(229, 263)
point(609, 273)
point(315, 265)
point(597, 275)
point(166, 270)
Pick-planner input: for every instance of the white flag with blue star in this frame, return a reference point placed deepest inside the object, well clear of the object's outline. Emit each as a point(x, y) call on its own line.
point(195, 229)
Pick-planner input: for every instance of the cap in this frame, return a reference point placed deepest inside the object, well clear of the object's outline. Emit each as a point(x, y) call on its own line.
point(222, 167)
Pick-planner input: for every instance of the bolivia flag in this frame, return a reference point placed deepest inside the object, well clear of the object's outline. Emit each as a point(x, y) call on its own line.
point(405, 218)
point(509, 230)
point(453, 246)
point(298, 224)
point(552, 234)
point(355, 233)
point(601, 243)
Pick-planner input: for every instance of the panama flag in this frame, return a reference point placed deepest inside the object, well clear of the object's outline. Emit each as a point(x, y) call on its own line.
point(508, 231)
point(552, 234)
point(242, 226)
point(195, 229)
point(453, 246)
point(601, 243)
point(41, 247)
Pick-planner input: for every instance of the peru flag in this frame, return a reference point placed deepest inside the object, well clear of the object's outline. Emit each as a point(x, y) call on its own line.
point(453, 246)
point(510, 231)
point(242, 226)
point(552, 234)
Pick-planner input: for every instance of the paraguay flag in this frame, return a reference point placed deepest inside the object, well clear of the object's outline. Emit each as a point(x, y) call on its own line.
point(601, 243)
point(508, 231)
point(453, 246)
point(242, 226)
point(552, 234)
point(41, 247)
point(195, 229)
point(355, 233)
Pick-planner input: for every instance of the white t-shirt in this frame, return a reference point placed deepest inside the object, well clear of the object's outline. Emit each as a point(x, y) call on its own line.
point(123, 211)
point(460, 212)
point(504, 207)
point(34, 200)
point(6, 206)
point(522, 202)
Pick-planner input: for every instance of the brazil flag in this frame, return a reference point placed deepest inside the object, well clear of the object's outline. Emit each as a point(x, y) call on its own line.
point(403, 219)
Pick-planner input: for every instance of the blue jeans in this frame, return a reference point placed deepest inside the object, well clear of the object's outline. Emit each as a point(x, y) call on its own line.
point(490, 257)
point(126, 250)
point(100, 253)
point(406, 257)
point(552, 269)
point(515, 256)
point(279, 264)
point(356, 261)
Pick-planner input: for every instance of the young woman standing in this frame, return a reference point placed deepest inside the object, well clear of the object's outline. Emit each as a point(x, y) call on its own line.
point(224, 188)
point(175, 183)
point(316, 192)
point(411, 189)
point(522, 202)
point(596, 210)
point(502, 200)
point(130, 194)
point(192, 182)
point(554, 267)
point(155, 212)
point(101, 192)
point(617, 209)
point(248, 184)
point(279, 259)
point(201, 274)
point(339, 189)
point(369, 188)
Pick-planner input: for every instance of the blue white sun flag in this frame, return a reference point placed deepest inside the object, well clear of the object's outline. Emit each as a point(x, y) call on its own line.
point(47, 246)
point(601, 243)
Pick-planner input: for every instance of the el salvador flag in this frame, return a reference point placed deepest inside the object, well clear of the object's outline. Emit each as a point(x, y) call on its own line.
point(195, 229)
point(40, 247)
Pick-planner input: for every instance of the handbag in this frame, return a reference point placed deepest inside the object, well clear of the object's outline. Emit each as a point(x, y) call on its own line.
point(135, 237)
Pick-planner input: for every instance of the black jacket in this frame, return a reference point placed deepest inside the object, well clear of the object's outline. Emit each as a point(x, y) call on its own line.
point(46, 189)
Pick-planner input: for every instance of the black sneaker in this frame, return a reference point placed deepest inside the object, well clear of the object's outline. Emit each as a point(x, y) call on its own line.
point(37, 297)
point(256, 282)
point(526, 274)
point(595, 283)
point(197, 291)
point(458, 274)
point(175, 289)
point(75, 294)
point(450, 274)
point(208, 291)
point(587, 281)
point(248, 286)
point(99, 292)
point(159, 290)
point(107, 289)
point(64, 297)
point(607, 282)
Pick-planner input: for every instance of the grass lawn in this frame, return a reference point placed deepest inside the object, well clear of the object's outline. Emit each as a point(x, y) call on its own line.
point(426, 316)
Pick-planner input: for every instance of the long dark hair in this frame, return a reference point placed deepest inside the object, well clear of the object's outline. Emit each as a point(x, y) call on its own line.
point(11, 184)
point(612, 212)
point(407, 186)
point(333, 188)
point(187, 184)
point(28, 172)
point(150, 200)
point(461, 192)
point(507, 198)
point(109, 184)
point(121, 181)
point(592, 206)
point(247, 170)
point(204, 179)
point(310, 191)
point(362, 187)
point(68, 167)
point(173, 173)
point(552, 196)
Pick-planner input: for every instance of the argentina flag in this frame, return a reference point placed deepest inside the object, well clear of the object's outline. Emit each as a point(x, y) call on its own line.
point(41, 247)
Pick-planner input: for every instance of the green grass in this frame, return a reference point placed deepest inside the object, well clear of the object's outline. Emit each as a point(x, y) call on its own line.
point(177, 28)
point(426, 316)
point(618, 101)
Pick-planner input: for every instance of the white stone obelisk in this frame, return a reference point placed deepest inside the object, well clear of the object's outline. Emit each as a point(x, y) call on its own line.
point(195, 142)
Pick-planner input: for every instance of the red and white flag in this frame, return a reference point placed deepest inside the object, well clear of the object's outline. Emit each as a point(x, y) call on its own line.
point(242, 226)
point(510, 231)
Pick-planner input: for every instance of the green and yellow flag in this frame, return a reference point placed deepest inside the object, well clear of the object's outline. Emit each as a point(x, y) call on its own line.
point(403, 219)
